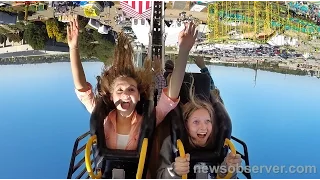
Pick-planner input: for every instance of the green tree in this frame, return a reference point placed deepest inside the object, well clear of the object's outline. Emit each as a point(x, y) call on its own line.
point(104, 51)
point(52, 27)
point(82, 22)
point(20, 15)
point(93, 44)
point(61, 37)
point(86, 45)
point(36, 35)
point(56, 30)
point(97, 36)
point(49, 29)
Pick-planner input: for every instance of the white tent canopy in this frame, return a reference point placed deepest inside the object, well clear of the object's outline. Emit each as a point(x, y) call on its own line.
point(142, 30)
point(103, 29)
point(197, 8)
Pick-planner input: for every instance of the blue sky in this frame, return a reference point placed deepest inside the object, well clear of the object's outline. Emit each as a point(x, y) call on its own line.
point(41, 117)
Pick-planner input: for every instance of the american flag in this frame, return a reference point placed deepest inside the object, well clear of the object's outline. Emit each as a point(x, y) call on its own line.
point(137, 9)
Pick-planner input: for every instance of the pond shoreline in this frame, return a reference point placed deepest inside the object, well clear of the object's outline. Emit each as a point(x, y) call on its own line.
point(65, 58)
point(41, 59)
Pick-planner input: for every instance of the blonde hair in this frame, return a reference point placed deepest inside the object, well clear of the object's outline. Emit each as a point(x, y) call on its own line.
point(123, 67)
point(194, 104)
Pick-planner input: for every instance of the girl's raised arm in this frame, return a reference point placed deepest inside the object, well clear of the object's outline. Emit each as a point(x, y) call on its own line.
point(187, 39)
point(78, 75)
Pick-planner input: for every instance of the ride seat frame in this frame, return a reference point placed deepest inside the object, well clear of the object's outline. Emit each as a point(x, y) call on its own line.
point(215, 153)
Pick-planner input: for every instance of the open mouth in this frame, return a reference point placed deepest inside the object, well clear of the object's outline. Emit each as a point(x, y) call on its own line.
point(202, 135)
point(125, 105)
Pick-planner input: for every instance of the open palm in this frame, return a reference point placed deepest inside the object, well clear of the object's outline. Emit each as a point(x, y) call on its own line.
point(187, 36)
point(73, 33)
point(157, 63)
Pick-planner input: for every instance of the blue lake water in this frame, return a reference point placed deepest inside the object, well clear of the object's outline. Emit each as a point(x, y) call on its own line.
point(278, 118)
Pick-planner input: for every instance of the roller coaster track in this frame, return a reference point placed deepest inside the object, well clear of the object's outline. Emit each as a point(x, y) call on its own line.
point(261, 16)
point(156, 35)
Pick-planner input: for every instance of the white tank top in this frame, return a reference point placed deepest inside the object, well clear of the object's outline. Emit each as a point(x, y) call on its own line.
point(122, 141)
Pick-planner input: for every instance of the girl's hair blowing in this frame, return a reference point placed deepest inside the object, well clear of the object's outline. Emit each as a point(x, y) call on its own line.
point(123, 66)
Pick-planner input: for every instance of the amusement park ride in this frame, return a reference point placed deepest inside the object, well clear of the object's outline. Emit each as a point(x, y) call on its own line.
point(256, 21)
point(94, 160)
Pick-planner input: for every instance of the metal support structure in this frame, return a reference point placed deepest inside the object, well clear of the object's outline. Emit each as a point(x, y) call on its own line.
point(255, 17)
point(157, 26)
point(163, 40)
point(156, 34)
point(151, 31)
point(77, 151)
point(258, 21)
point(157, 30)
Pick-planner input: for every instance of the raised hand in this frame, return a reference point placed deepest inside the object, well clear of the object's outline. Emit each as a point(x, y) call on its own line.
point(181, 165)
point(233, 160)
point(199, 62)
point(187, 36)
point(73, 33)
point(157, 65)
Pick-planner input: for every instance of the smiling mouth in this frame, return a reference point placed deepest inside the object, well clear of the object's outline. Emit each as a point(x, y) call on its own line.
point(125, 105)
point(202, 135)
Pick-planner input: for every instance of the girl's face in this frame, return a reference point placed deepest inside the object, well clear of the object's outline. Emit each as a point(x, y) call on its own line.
point(199, 126)
point(125, 95)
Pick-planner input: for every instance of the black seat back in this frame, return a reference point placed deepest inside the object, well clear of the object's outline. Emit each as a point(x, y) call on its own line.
point(202, 87)
point(144, 108)
point(215, 153)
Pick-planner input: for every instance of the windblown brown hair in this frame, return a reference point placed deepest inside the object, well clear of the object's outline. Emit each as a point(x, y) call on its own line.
point(123, 66)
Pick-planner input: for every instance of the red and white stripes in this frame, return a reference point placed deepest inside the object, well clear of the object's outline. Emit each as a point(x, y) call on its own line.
point(137, 9)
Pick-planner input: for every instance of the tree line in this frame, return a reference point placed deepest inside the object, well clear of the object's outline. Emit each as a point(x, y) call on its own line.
point(91, 43)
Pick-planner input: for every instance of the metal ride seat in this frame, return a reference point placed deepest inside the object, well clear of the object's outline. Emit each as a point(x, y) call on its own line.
point(114, 163)
point(108, 163)
point(133, 162)
point(214, 154)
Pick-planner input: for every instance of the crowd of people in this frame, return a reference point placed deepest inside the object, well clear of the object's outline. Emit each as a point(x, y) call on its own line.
point(242, 51)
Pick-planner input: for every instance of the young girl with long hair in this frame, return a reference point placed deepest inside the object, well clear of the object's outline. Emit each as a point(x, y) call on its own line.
point(200, 124)
point(122, 86)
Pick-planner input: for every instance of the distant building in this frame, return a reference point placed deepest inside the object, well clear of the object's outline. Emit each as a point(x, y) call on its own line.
point(141, 29)
point(6, 18)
